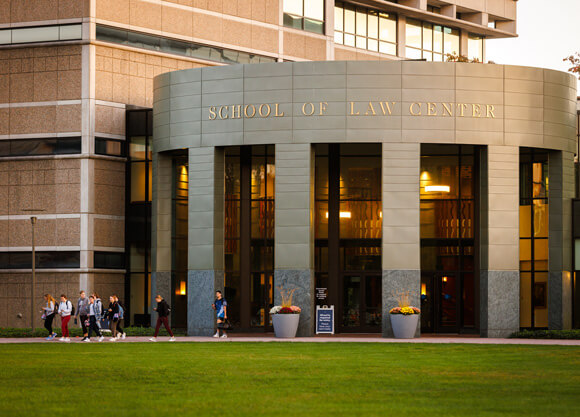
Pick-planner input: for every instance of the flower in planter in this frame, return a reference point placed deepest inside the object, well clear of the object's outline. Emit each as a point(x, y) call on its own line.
point(404, 308)
point(286, 307)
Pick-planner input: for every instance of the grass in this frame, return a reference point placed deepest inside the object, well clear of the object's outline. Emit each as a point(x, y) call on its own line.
point(279, 379)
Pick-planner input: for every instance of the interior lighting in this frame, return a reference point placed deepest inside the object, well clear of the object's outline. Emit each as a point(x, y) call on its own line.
point(423, 289)
point(342, 215)
point(437, 188)
point(444, 279)
point(182, 289)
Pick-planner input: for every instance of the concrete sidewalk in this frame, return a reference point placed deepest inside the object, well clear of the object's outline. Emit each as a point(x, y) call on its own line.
point(319, 339)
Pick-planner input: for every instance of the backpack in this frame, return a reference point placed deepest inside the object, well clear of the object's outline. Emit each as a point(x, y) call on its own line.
point(72, 311)
point(121, 311)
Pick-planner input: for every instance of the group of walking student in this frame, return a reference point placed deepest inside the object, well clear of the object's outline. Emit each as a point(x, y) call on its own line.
point(89, 311)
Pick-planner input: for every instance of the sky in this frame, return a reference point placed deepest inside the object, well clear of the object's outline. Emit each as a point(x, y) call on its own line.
point(546, 35)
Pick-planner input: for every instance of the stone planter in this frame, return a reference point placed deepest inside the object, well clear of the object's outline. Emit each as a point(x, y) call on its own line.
point(404, 327)
point(285, 325)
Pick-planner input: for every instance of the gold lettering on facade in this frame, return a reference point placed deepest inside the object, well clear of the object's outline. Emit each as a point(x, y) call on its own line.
point(431, 109)
point(447, 108)
point(386, 107)
point(212, 114)
point(461, 107)
point(239, 112)
point(476, 110)
point(248, 106)
point(221, 115)
point(352, 113)
point(276, 111)
point(311, 109)
point(323, 106)
point(370, 109)
point(262, 106)
point(411, 109)
point(489, 108)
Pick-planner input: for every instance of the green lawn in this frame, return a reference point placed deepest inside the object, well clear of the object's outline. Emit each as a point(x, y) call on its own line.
point(286, 379)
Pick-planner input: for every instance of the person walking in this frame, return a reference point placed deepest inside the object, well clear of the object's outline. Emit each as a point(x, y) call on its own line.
point(48, 314)
point(163, 311)
point(93, 320)
point(65, 309)
point(113, 315)
point(98, 307)
point(82, 313)
point(220, 305)
point(121, 318)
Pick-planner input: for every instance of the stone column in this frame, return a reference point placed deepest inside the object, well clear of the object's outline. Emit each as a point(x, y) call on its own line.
point(500, 277)
point(294, 232)
point(561, 191)
point(205, 237)
point(401, 227)
point(161, 230)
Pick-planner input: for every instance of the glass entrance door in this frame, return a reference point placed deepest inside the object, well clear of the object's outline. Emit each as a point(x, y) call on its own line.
point(361, 303)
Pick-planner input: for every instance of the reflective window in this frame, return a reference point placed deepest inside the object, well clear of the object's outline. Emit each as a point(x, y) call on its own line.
point(190, 49)
point(44, 146)
point(111, 147)
point(534, 240)
point(43, 260)
point(304, 14)
point(475, 44)
point(365, 28)
point(430, 42)
point(109, 260)
point(41, 34)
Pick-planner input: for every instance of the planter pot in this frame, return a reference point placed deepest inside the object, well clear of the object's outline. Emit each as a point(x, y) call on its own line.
point(404, 327)
point(285, 325)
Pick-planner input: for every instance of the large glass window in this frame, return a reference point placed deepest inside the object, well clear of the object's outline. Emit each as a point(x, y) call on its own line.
point(365, 28)
point(533, 238)
point(304, 14)
point(179, 233)
point(41, 34)
point(430, 42)
point(475, 44)
point(249, 234)
point(348, 232)
point(41, 146)
point(448, 238)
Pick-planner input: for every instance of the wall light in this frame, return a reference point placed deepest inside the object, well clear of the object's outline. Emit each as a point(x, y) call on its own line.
point(423, 289)
point(437, 188)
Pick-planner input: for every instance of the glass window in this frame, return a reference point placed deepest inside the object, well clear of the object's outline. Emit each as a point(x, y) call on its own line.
point(37, 34)
point(427, 36)
point(437, 39)
point(314, 9)
point(338, 18)
point(451, 41)
point(413, 32)
point(475, 47)
point(373, 25)
point(70, 32)
point(304, 14)
point(388, 27)
point(5, 37)
point(294, 7)
point(349, 20)
point(112, 147)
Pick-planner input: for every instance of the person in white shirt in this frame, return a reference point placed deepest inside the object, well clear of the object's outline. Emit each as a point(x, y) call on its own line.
point(48, 314)
point(93, 314)
point(65, 309)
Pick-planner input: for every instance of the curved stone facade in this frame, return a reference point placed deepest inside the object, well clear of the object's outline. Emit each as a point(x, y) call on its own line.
point(399, 104)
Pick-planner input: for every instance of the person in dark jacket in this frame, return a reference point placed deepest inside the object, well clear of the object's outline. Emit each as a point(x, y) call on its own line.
point(83, 313)
point(113, 315)
point(163, 313)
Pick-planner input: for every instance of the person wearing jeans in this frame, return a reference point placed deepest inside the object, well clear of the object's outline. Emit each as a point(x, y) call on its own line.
point(83, 313)
point(49, 313)
point(93, 311)
point(64, 309)
point(120, 332)
point(113, 315)
point(163, 311)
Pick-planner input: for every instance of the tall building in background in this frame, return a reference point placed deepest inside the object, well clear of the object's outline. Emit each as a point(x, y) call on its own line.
point(76, 92)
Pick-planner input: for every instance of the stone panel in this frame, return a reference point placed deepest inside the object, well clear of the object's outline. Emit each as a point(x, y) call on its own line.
point(202, 285)
point(395, 284)
point(302, 281)
point(500, 303)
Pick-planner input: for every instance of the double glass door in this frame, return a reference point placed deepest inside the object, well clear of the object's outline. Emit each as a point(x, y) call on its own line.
point(361, 303)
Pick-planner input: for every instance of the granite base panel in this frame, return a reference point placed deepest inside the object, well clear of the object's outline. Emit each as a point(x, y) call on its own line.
point(201, 288)
point(303, 281)
point(555, 300)
point(395, 282)
point(500, 303)
point(160, 284)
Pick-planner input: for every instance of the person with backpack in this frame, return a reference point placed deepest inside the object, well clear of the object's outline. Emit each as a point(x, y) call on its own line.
point(121, 318)
point(98, 309)
point(48, 314)
point(220, 305)
point(163, 311)
point(66, 310)
point(93, 320)
point(83, 313)
point(113, 315)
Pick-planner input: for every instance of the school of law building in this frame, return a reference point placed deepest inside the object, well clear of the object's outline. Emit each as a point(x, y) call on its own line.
point(183, 146)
